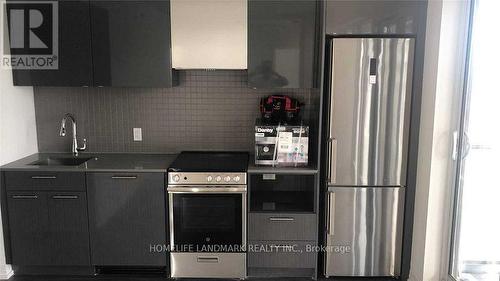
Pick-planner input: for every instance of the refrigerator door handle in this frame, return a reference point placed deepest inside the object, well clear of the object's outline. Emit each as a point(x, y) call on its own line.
point(330, 225)
point(332, 161)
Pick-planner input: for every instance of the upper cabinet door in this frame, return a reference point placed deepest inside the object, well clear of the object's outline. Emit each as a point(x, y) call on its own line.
point(73, 48)
point(281, 43)
point(131, 43)
point(374, 17)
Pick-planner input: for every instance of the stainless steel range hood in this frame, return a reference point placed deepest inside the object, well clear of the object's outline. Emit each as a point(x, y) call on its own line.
point(209, 34)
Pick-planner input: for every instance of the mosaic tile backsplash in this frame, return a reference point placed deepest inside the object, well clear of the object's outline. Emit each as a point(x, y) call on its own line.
point(209, 110)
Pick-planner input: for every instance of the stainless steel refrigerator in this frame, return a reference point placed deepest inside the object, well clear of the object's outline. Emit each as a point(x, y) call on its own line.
point(367, 146)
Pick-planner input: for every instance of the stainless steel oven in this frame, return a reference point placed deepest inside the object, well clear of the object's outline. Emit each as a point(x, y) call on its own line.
point(207, 222)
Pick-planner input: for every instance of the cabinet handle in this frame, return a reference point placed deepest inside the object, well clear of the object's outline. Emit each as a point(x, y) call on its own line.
point(24, 196)
point(65, 197)
point(44, 177)
point(124, 177)
point(207, 259)
point(281, 219)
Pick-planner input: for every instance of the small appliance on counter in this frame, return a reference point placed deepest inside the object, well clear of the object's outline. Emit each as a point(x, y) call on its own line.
point(281, 138)
point(280, 109)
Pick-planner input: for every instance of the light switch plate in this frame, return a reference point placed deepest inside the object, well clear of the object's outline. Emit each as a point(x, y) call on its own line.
point(137, 134)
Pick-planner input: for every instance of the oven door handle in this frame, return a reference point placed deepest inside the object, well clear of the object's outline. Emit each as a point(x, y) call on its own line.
point(205, 189)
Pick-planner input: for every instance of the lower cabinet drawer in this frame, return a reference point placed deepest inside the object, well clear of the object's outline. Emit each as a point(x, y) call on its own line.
point(282, 226)
point(282, 254)
point(45, 181)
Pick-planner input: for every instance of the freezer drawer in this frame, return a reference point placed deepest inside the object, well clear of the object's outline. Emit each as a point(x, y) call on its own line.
point(363, 230)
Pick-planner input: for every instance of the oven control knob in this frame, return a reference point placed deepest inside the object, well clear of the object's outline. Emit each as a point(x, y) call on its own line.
point(176, 178)
point(227, 178)
point(236, 179)
point(218, 178)
point(210, 178)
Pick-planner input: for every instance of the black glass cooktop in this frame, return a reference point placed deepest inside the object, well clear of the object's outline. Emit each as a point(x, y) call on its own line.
point(198, 161)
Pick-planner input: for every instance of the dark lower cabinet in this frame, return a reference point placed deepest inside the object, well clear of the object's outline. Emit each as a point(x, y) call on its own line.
point(282, 254)
point(131, 43)
point(127, 216)
point(282, 43)
point(282, 244)
point(68, 228)
point(48, 228)
point(73, 45)
point(282, 226)
point(29, 228)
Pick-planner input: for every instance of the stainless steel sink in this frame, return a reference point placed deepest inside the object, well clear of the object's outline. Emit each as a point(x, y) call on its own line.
point(61, 161)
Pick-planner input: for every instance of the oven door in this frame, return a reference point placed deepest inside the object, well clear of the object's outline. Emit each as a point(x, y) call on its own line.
point(207, 219)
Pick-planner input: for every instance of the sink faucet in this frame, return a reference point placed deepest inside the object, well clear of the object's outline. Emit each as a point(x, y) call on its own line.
point(62, 133)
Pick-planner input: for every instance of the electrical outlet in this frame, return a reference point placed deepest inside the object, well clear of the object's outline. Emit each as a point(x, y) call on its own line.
point(137, 134)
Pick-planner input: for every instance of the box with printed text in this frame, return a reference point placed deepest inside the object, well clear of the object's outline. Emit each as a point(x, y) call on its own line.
point(281, 145)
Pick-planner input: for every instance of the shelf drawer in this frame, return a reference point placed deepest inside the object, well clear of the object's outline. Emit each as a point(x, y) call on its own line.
point(281, 254)
point(282, 226)
point(45, 181)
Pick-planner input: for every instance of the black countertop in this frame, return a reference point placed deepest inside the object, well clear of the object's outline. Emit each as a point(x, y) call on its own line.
point(100, 162)
point(129, 162)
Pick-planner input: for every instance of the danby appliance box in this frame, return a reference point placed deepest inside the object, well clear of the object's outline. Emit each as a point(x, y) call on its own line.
point(281, 145)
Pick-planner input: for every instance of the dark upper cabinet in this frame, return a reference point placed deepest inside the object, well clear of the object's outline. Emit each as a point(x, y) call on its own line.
point(131, 43)
point(282, 41)
point(374, 17)
point(74, 50)
point(48, 228)
point(127, 216)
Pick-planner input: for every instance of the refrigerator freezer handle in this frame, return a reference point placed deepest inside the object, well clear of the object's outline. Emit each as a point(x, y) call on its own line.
point(327, 214)
point(330, 224)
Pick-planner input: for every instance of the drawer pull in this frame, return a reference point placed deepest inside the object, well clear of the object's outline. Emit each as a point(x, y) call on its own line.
point(207, 259)
point(124, 177)
point(281, 219)
point(44, 177)
point(65, 197)
point(25, 197)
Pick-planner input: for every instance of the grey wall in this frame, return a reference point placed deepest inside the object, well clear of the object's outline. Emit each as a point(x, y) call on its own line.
point(210, 110)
